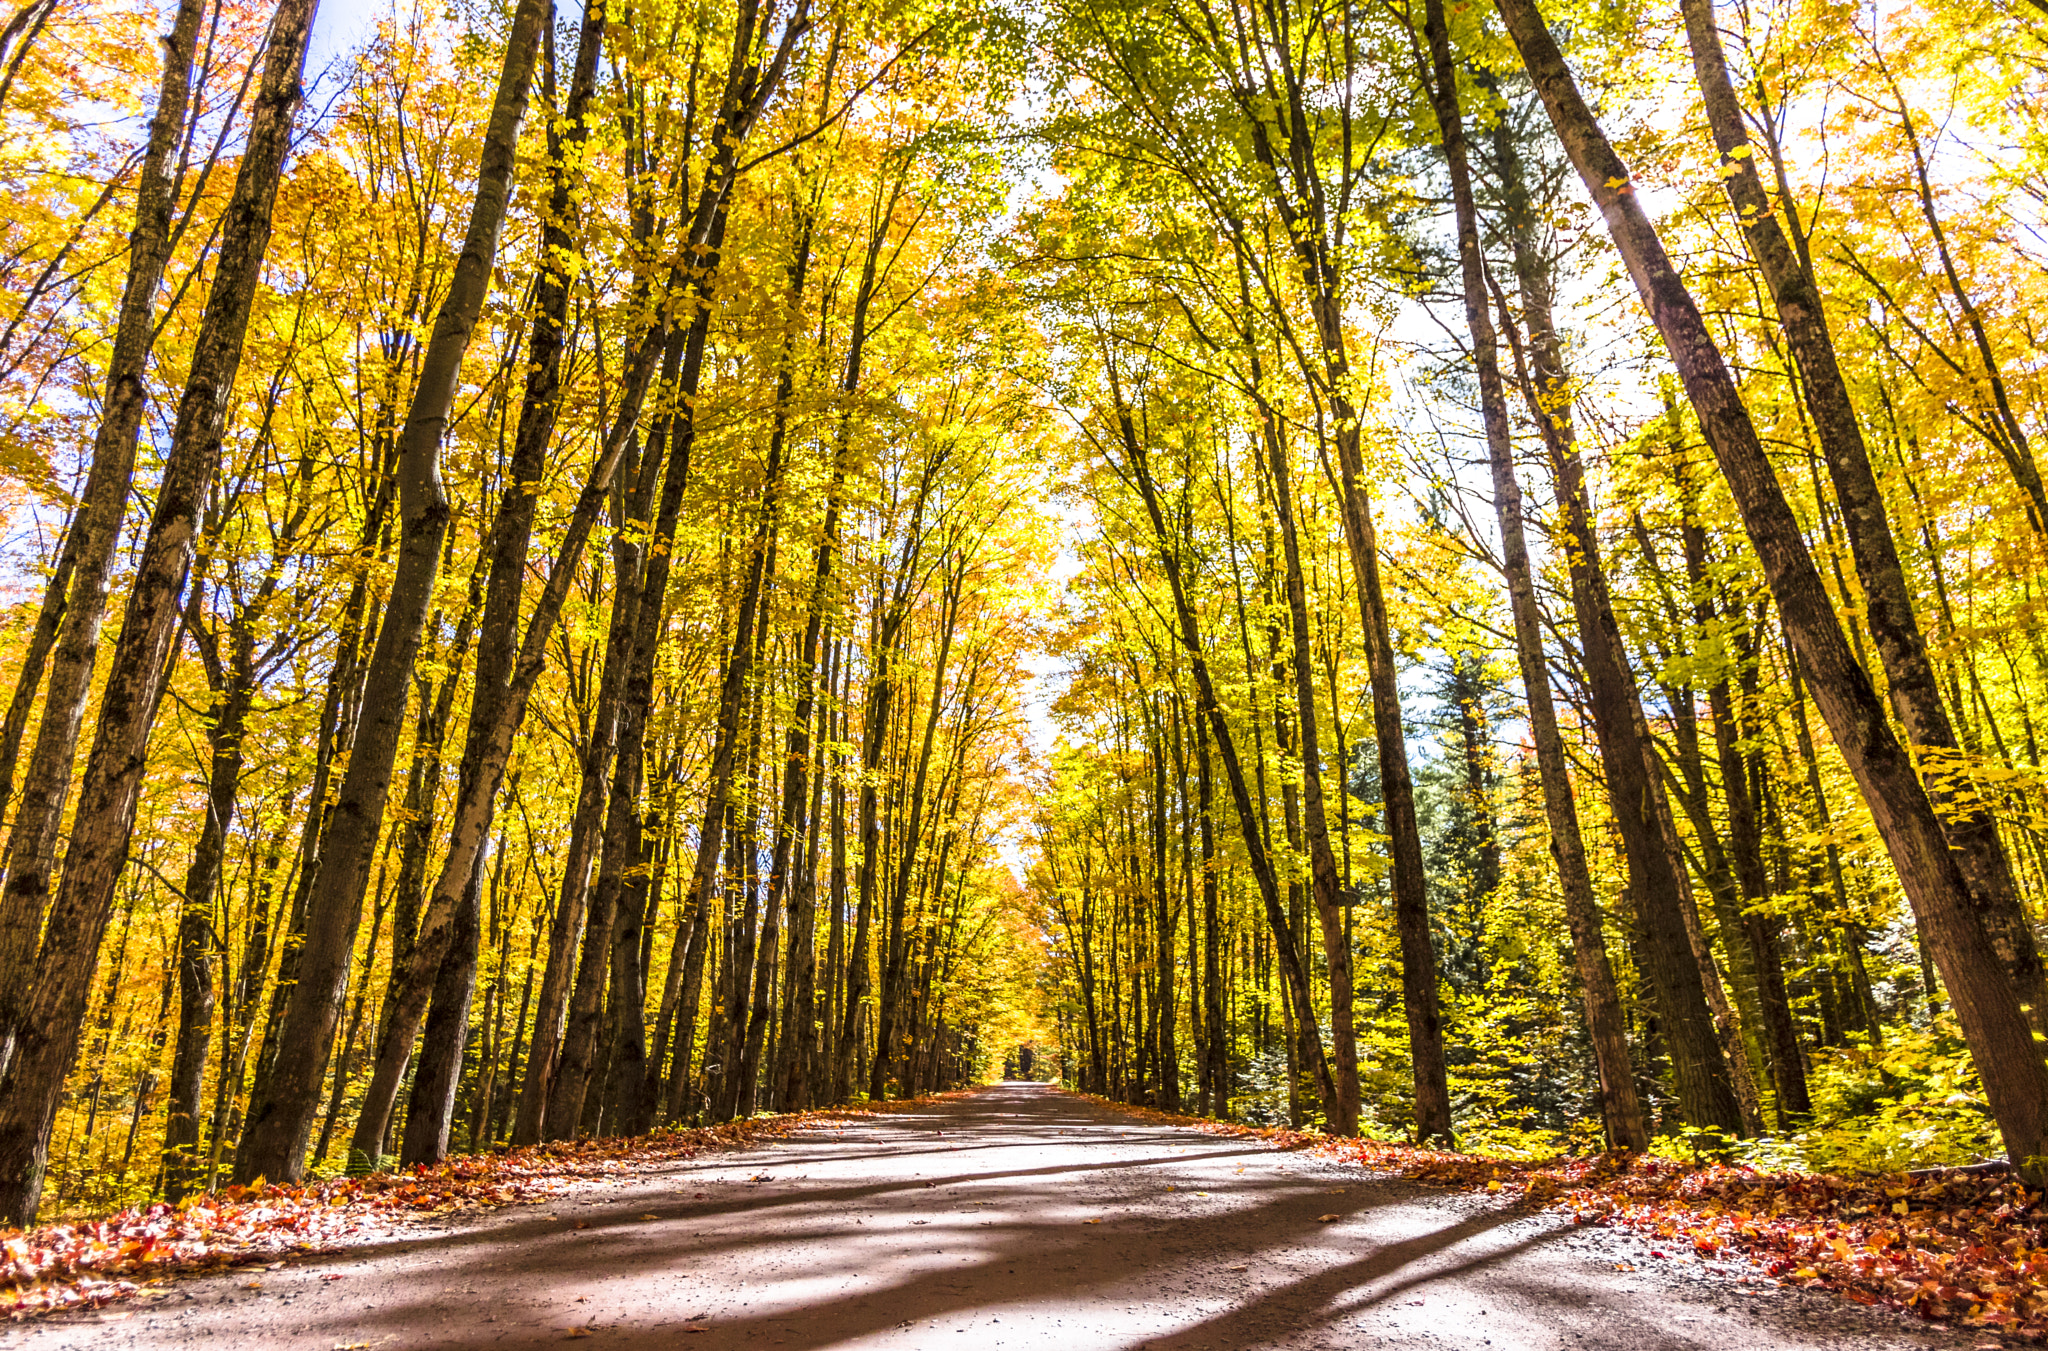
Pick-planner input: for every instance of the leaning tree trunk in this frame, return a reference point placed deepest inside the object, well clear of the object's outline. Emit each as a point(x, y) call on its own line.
point(1894, 629)
point(80, 583)
point(1656, 879)
point(283, 1106)
point(47, 1039)
point(1980, 985)
point(561, 1114)
point(1293, 971)
point(749, 87)
point(1606, 1022)
point(444, 947)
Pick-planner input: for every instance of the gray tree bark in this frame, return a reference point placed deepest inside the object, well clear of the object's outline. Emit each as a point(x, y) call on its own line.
point(48, 1034)
point(1989, 1007)
point(283, 1105)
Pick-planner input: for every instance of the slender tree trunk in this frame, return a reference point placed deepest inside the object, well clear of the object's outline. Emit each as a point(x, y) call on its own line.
point(750, 1016)
point(1397, 789)
point(1987, 1004)
point(566, 931)
point(677, 1098)
point(1216, 1044)
point(505, 681)
point(875, 726)
point(281, 1114)
point(1322, 861)
point(1745, 845)
point(1607, 1026)
point(430, 1111)
point(95, 531)
point(1915, 690)
point(47, 1038)
point(227, 720)
point(1293, 971)
point(895, 968)
point(1656, 879)
point(830, 1051)
point(790, 1076)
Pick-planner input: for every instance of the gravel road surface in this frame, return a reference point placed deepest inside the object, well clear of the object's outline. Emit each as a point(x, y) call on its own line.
point(1016, 1216)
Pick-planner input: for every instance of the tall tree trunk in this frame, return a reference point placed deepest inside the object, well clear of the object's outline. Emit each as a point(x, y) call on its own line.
point(1216, 1045)
point(676, 1096)
point(895, 967)
point(566, 930)
point(95, 532)
point(1607, 1026)
point(1979, 981)
point(430, 1111)
point(798, 749)
point(1322, 861)
point(1915, 691)
point(444, 947)
point(1293, 971)
point(824, 1080)
point(282, 1109)
point(48, 1034)
point(1656, 878)
point(790, 1076)
point(227, 720)
point(1745, 845)
point(750, 1015)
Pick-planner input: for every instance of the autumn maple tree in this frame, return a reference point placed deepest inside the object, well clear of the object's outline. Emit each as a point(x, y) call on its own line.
point(1437, 573)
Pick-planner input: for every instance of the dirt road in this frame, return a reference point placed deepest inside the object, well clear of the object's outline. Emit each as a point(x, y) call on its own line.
point(1015, 1217)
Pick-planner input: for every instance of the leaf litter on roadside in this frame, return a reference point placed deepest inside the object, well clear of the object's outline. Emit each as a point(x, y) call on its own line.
point(88, 1263)
point(1957, 1246)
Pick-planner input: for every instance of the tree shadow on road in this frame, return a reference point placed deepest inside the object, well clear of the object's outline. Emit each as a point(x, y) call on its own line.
point(1052, 1255)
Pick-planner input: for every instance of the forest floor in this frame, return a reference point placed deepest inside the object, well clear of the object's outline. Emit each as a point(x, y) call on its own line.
point(1011, 1216)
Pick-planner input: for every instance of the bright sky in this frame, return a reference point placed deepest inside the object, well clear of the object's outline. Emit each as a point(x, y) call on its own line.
point(341, 24)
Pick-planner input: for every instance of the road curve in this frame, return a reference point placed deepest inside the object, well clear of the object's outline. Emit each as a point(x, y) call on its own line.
point(1016, 1216)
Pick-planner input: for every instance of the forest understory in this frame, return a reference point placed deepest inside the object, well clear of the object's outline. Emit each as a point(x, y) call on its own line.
point(1461, 585)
